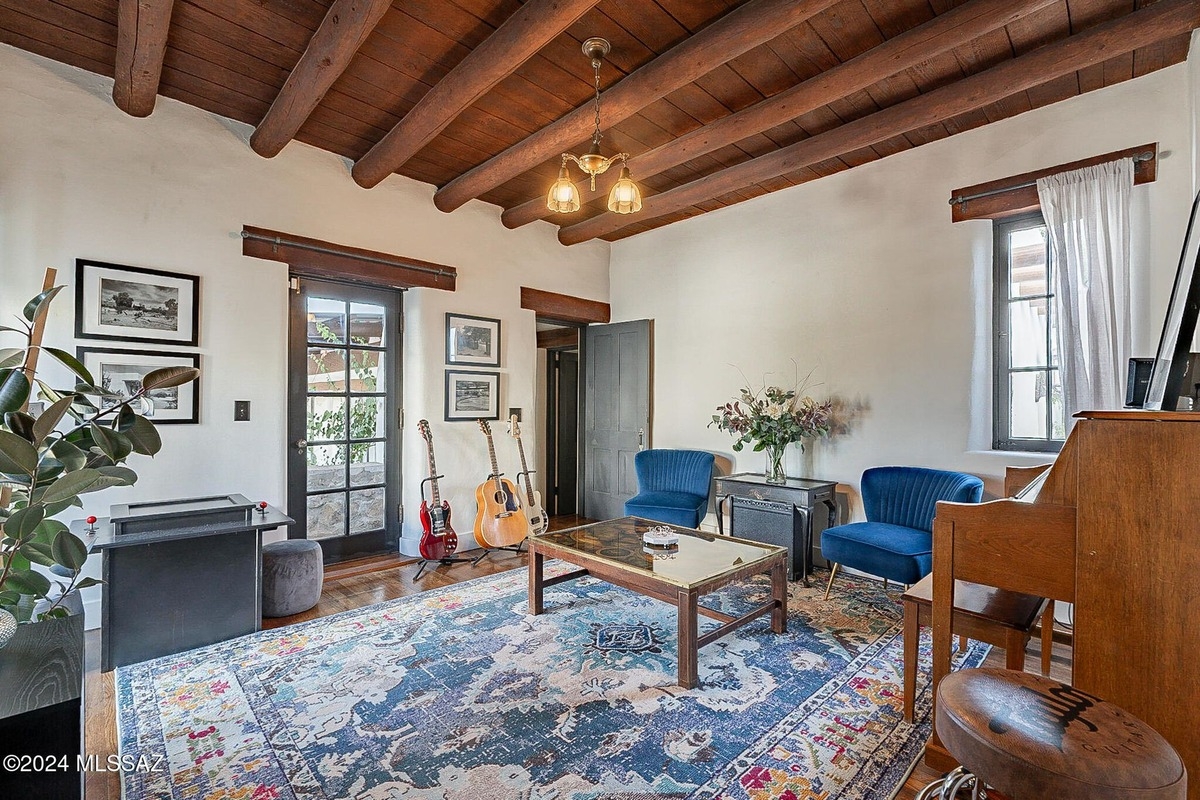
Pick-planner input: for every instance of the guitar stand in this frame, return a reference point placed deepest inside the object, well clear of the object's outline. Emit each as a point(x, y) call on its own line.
point(448, 560)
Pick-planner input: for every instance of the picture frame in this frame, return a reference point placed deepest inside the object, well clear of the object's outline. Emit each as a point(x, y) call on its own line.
point(114, 302)
point(122, 370)
point(472, 340)
point(472, 396)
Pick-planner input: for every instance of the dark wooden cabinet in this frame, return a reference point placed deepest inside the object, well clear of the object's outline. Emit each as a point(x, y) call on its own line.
point(792, 514)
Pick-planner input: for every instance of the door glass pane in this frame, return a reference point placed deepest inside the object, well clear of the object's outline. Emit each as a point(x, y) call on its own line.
point(326, 466)
point(366, 510)
point(326, 418)
point(1058, 415)
point(1027, 332)
point(326, 515)
point(326, 370)
point(367, 417)
point(326, 320)
point(1027, 262)
point(1027, 405)
point(366, 370)
point(366, 324)
point(366, 463)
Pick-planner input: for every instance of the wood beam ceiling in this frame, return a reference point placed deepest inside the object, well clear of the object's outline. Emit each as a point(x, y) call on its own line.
point(737, 32)
point(520, 37)
point(346, 26)
point(142, 27)
point(941, 34)
point(1096, 45)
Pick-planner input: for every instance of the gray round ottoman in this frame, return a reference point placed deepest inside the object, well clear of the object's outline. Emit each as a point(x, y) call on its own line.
point(292, 571)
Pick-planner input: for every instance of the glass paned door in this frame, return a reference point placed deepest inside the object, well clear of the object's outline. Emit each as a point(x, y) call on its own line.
point(343, 465)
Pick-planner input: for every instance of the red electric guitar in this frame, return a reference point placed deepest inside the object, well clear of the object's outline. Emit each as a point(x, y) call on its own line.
point(438, 539)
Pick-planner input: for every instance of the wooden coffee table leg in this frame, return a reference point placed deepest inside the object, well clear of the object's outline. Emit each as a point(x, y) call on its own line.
point(912, 638)
point(535, 582)
point(687, 639)
point(779, 595)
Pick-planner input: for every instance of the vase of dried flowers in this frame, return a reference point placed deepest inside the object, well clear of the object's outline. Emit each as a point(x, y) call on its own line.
point(771, 418)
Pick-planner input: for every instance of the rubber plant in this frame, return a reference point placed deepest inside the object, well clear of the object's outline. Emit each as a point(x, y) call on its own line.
point(77, 444)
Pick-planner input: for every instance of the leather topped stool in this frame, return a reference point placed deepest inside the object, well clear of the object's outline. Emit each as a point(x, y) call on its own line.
point(1031, 738)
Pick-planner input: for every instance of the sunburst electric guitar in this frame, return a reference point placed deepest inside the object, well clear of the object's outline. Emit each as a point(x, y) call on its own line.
point(538, 522)
point(500, 521)
point(438, 539)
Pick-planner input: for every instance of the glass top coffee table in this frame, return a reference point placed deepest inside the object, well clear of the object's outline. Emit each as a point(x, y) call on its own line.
point(613, 551)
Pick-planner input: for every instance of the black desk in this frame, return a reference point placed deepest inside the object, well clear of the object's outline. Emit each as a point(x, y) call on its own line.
point(175, 589)
point(778, 513)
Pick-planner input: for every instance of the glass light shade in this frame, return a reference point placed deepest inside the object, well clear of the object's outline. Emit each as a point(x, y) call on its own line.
point(563, 197)
point(625, 197)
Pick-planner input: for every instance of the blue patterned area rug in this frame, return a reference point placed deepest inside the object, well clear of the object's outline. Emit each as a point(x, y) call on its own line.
point(459, 694)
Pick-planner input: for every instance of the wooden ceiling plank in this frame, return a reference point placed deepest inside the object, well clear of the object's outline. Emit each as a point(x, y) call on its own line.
point(1141, 28)
point(260, 19)
point(345, 27)
point(44, 39)
point(519, 38)
point(142, 27)
point(912, 47)
point(738, 31)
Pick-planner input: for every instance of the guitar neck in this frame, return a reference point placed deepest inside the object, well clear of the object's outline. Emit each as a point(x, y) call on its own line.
point(525, 469)
point(433, 481)
point(495, 465)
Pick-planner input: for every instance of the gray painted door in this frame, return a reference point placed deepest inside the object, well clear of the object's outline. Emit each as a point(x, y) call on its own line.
point(616, 412)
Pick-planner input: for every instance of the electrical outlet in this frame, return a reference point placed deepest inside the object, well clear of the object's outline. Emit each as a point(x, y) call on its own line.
point(241, 410)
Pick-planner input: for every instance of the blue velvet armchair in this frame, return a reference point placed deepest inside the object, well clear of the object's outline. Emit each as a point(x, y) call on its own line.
point(673, 486)
point(896, 541)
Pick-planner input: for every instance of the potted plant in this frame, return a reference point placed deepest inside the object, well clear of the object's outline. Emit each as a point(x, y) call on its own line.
point(76, 445)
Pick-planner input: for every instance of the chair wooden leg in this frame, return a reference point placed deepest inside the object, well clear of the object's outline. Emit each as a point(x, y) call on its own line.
point(885, 584)
point(832, 573)
point(1047, 636)
point(962, 643)
point(912, 633)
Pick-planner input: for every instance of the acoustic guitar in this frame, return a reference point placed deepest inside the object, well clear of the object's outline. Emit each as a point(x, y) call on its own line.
point(538, 521)
point(438, 539)
point(500, 521)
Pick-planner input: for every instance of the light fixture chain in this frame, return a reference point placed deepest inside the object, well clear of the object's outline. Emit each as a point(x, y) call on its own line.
point(596, 135)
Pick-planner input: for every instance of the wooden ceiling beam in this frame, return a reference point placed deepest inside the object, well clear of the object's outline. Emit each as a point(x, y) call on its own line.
point(519, 38)
point(941, 34)
point(737, 32)
point(1141, 28)
point(555, 307)
point(345, 27)
point(142, 27)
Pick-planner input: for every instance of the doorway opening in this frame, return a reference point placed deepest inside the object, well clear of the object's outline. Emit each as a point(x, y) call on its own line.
point(558, 360)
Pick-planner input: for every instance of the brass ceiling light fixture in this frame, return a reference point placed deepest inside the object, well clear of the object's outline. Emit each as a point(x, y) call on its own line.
point(625, 197)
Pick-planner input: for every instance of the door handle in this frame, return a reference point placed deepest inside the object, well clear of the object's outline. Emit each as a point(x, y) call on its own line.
point(641, 438)
point(303, 443)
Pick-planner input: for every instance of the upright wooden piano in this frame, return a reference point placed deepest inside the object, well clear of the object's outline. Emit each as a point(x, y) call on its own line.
point(1114, 528)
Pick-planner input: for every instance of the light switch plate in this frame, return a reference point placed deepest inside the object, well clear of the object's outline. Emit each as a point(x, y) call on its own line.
point(241, 410)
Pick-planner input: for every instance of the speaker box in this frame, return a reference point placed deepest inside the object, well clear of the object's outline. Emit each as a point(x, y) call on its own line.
point(771, 523)
point(1138, 382)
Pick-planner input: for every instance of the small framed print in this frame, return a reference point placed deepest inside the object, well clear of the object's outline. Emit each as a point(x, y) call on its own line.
point(120, 303)
point(472, 395)
point(472, 340)
point(121, 371)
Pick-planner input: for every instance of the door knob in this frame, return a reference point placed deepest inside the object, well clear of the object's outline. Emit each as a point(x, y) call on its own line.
point(303, 443)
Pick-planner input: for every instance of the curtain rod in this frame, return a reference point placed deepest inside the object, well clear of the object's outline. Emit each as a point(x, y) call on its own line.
point(278, 241)
point(966, 198)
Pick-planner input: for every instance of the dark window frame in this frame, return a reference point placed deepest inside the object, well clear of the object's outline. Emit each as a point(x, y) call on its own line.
point(1002, 371)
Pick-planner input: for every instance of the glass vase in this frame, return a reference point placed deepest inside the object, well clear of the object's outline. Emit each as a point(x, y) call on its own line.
point(774, 469)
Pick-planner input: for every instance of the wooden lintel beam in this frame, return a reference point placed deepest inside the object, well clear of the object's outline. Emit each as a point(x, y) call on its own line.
point(1125, 34)
point(319, 259)
point(558, 338)
point(737, 32)
point(345, 27)
point(520, 37)
point(142, 27)
point(555, 307)
point(941, 34)
point(1013, 195)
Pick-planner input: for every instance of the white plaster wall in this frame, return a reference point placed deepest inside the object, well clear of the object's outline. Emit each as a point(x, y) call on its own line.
point(862, 278)
point(78, 178)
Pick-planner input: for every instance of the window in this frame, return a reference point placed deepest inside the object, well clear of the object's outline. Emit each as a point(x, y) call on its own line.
point(1028, 406)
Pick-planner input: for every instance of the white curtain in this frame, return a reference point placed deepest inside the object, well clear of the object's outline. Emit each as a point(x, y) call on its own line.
point(1087, 217)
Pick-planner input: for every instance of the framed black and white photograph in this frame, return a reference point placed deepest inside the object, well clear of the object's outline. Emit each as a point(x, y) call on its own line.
point(121, 371)
point(120, 303)
point(472, 340)
point(472, 395)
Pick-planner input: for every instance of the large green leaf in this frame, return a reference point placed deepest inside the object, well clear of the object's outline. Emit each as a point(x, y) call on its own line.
point(144, 437)
point(14, 390)
point(71, 456)
point(72, 363)
point(20, 423)
point(124, 474)
point(16, 454)
point(23, 521)
point(69, 550)
point(37, 306)
point(114, 444)
point(39, 553)
point(49, 469)
point(27, 581)
point(167, 377)
point(11, 357)
point(87, 583)
point(49, 419)
point(72, 484)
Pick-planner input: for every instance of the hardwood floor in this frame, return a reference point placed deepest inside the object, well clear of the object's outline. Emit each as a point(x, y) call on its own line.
point(357, 584)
